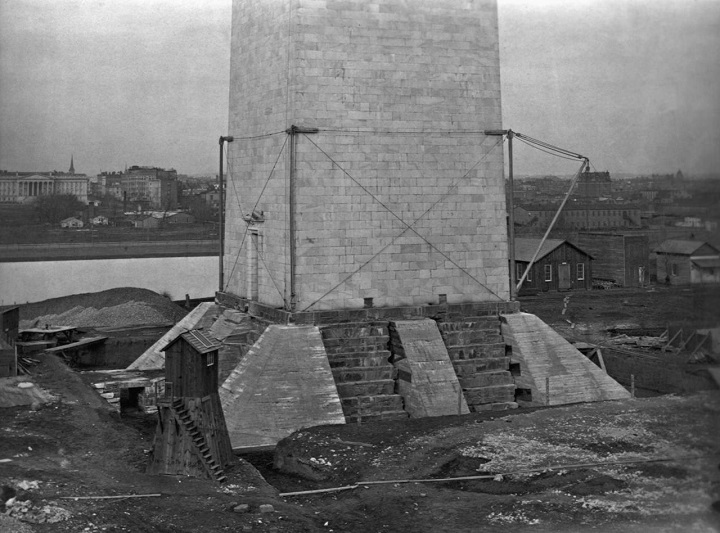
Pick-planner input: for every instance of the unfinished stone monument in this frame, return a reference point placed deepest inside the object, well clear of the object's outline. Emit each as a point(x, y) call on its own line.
point(359, 168)
point(362, 195)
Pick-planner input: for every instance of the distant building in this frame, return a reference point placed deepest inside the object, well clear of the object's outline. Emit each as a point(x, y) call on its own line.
point(155, 185)
point(521, 216)
point(152, 187)
point(99, 221)
point(684, 262)
point(71, 222)
point(155, 219)
point(24, 187)
point(595, 185)
point(623, 258)
point(595, 215)
point(559, 265)
point(211, 197)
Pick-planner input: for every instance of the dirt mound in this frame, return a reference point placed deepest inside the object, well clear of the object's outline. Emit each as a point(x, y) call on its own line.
point(127, 306)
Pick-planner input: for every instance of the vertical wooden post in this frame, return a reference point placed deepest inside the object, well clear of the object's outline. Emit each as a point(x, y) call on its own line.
point(460, 399)
point(632, 385)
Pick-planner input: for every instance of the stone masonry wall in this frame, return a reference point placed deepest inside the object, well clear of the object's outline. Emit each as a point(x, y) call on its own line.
point(400, 196)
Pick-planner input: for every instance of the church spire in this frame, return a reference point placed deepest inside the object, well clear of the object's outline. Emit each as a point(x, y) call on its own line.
point(72, 165)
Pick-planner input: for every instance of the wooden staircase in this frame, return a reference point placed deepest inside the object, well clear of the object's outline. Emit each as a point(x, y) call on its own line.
point(359, 360)
point(211, 465)
point(478, 353)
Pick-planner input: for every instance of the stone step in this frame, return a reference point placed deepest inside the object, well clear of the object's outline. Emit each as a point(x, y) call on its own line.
point(491, 394)
point(470, 323)
point(498, 406)
point(476, 351)
point(470, 367)
point(472, 336)
point(366, 388)
point(354, 330)
point(363, 344)
point(485, 379)
point(358, 359)
point(388, 415)
point(366, 373)
point(365, 405)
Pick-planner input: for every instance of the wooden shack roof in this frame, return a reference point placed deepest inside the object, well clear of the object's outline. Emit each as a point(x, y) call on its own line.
point(681, 247)
point(198, 340)
point(525, 248)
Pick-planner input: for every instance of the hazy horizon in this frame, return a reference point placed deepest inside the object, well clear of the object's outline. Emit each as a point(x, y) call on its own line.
point(631, 84)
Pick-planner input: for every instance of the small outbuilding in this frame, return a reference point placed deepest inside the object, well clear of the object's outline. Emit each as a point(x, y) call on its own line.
point(558, 266)
point(685, 262)
point(71, 222)
point(191, 437)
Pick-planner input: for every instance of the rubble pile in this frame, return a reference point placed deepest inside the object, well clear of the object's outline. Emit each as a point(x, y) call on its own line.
point(15, 503)
point(126, 314)
point(114, 308)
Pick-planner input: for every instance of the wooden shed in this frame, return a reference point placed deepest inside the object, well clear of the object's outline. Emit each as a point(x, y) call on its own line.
point(684, 262)
point(620, 257)
point(8, 360)
point(559, 265)
point(191, 437)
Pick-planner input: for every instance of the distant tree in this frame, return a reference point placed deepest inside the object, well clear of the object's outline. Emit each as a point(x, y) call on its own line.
point(199, 209)
point(53, 208)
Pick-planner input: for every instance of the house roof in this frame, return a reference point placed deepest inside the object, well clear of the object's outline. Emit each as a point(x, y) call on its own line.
point(680, 247)
point(198, 340)
point(69, 219)
point(707, 262)
point(525, 248)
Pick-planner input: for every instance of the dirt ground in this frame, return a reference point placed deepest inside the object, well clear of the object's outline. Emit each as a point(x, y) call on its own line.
point(636, 465)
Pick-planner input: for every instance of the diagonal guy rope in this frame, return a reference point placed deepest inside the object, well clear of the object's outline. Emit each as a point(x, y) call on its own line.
point(408, 227)
point(247, 224)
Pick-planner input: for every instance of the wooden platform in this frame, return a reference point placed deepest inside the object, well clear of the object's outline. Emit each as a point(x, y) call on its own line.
point(426, 380)
point(284, 383)
point(553, 371)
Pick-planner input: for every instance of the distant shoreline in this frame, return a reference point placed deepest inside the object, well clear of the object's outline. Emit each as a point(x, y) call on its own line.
point(13, 253)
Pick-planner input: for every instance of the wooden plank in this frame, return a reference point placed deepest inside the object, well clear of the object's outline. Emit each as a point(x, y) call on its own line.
point(82, 342)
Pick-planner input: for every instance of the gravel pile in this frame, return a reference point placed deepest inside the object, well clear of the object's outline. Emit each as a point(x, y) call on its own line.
point(115, 308)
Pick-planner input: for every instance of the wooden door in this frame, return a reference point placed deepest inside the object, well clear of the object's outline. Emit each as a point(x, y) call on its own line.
point(564, 277)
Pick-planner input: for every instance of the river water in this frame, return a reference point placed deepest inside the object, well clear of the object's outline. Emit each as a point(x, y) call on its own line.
point(39, 280)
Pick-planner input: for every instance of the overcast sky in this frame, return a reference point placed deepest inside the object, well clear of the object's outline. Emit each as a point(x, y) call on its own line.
point(632, 84)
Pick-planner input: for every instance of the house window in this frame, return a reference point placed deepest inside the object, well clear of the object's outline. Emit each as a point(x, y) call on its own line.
point(211, 359)
point(673, 269)
point(581, 271)
point(519, 270)
point(548, 272)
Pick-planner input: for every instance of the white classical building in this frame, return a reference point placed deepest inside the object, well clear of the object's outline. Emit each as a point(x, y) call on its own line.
point(23, 188)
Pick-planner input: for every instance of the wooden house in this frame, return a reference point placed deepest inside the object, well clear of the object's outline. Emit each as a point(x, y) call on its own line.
point(191, 437)
point(559, 265)
point(619, 257)
point(685, 262)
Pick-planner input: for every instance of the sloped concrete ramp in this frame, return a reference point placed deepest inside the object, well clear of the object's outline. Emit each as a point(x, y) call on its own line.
point(546, 358)
point(154, 358)
point(426, 377)
point(284, 383)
